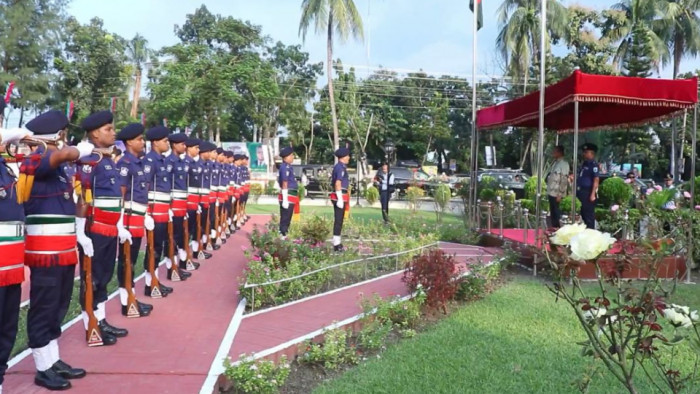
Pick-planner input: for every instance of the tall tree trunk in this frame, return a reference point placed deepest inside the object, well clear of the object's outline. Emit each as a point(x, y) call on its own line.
point(218, 128)
point(21, 117)
point(137, 94)
point(329, 67)
point(311, 140)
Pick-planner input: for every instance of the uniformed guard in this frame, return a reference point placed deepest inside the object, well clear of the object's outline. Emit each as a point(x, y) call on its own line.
point(105, 225)
point(179, 199)
point(246, 185)
point(221, 194)
point(229, 191)
point(213, 199)
point(340, 196)
point(11, 249)
point(50, 248)
point(587, 185)
point(206, 151)
point(134, 188)
point(237, 191)
point(288, 185)
point(159, 174)
point(194, 198)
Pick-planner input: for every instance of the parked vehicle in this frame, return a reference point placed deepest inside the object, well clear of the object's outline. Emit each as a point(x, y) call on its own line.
point(509, 179)
point(407, 176)
point(316, 178)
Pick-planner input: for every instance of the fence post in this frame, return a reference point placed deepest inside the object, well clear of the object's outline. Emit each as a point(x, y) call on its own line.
point(253, 297)
point(525, 224)
point(489, 217)
point(478, 215)
point(518, 213)
point(500, 215)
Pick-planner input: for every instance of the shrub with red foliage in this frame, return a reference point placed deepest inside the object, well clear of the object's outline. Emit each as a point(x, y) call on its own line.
point(435, 272)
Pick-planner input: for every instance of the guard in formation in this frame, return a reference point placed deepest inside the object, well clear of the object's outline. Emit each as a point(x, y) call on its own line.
point(587, 184)
point(43, 227)
point(340, 196)
point(288, 190)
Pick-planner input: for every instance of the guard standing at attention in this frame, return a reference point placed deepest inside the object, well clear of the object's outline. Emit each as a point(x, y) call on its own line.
point(105, 227)
point(288, 186)
point(50, 248)
point(134, 188)
point(206, 150)
point(340, 196)
point(245, 169)
point(178, 201)
point(194, 205)
point(11, 248)
point(587, 185)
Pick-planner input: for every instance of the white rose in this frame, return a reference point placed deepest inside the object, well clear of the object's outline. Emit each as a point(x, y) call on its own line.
point(563, 235)
point(589, 244)
point(694, 316)
point(680, 308)
point(676, 318)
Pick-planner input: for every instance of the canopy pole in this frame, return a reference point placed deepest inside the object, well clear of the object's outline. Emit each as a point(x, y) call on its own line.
point(476, 180)
point(689, 260)
point(540, 138)
point(474, 144)
point(574, 164)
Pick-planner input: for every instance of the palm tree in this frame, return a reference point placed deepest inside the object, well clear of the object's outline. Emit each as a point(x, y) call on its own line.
point(341, 17)
point(682, 30)
point(138, 53)
point(518, 40)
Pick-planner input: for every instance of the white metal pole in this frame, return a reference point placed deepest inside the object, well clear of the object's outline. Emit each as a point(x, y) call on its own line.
point(574, 163)
point(540, 139)
point(689, 260)
point(474, 147)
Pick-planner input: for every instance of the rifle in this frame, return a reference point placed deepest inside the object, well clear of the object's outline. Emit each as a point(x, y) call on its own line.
point(186, 223)
point(209, 246)
point(93, 335)
point(155, 285)
point(131, 305)
point(217, 216)
point(174, 268)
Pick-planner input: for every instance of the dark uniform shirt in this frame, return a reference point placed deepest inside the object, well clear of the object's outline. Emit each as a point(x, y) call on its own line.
point(52, 192)
point(286, 174)
point(245, 174)
point(180, 169)
point(235, 175)
point(225, 174)
point(215, 169)
point(10, 210)
point(131, 170)
point(104, 177)
point(158, 172)
point(340, 173)
point(587, 174)
point(206, 174)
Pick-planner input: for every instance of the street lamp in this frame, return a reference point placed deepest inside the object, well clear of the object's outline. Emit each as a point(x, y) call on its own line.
point(389, 149)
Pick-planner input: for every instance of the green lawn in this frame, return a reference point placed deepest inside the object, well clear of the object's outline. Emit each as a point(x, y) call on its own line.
point(516, 340)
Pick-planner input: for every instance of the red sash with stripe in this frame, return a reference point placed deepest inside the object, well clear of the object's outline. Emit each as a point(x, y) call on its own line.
point(159, 211)
point(11, 263)
point(346, 199)
point(192, 201)
point(104, 222)
point(293, 200)
point(50, 250)
point(179, 208)
point(135, 225)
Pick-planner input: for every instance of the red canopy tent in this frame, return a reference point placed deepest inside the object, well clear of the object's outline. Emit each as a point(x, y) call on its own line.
point(604, 101)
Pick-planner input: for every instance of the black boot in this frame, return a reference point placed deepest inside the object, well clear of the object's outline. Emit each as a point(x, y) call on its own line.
point(339, 248)
point(105, 327)
point(183, 273)
point(216, 247)
point(107, 339)
point(147, 292)
point(165, 289)
point(142, 312)
point(51, 380)
point(66, 371)
point(179, 272)
point(193, 267)
point(144, 306)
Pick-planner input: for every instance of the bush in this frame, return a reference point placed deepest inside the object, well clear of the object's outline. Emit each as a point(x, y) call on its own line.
point(332, 353)
point(434, 271)
point(614, 191)
point(271, 188)
point(301, 190)
point(528, 204)
point(261, 376)
point(316, 229)
point(372, 195)
point(531, 188)
point(486, 195)
point(488, 182)
point(442, 197)
point(256, 190)
point(565, 205)
point(414, 194)
point(373, 335)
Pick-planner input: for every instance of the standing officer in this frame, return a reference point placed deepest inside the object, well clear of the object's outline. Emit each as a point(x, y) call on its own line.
point(222, 193)
point(384, 181)
point(105, 228)
point(340, 197)
point(50, 248)
point(134, 188)
point(288, 186)
point(587, 185)
point(206, 150)
point(246, 185)
point(229, 191)
point(178, 201)
point(194, 205)
point(237, 157)
point(159, 175)
point(11, 248)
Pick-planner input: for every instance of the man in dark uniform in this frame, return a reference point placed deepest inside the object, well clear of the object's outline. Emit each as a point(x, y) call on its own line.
point(206, 151)
point(288, 185)
point(50, 248)
point(587, 185)
point(340, 196)
point(237, 191)
point(246, 185)
point(105, 227)
point(178, 201)
point(194, 206)
point(229, 191)
point(159, 175)
point(215, 168)
point(12, 250)
point(221, 193)
point(134, 188)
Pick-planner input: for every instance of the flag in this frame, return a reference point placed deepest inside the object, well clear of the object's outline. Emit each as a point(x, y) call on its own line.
point(69, 109)
point(113, 104)
point(143, 118)
point(479, 13)
point(8, 94)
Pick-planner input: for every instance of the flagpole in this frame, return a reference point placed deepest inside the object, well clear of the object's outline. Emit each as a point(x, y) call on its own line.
point(540, 140)
point(474, 212)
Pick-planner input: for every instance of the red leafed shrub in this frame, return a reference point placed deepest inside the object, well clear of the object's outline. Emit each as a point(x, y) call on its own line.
point(434, 272)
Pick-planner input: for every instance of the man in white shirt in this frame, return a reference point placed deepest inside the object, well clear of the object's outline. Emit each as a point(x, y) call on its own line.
point(557, 184)
point(384, 181)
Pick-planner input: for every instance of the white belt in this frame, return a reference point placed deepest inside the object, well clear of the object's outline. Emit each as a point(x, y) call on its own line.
point(179, 194)
point(11, 229)
point(135, 207)
point(51, 229)
point(12, 267)
point(50, 252)
point(193, 190)
point(107, 202)
point(203, 191)
point(159, 196)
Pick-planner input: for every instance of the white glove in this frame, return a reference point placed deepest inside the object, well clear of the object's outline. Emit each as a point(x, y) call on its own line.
point(233, 200)
point(285, 199)
point(170, 215)
point(217, 203)
point(187, 216)
point(149, 223)
point(122, 232)
point(83, 240)
point(85, 149)
point(13, 135)
point(199, 208)
point(340, 204)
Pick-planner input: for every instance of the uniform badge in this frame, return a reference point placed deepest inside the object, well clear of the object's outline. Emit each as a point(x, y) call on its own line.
point(108, 167)
point(87, 168)
point(595, 169)
point(124, 171)
point(187, 168)
point(143, 185)
point(66, 196)
point(3, 194)
point(170, 168)
point(140, 173)
point(112, 181)
point(147, 169)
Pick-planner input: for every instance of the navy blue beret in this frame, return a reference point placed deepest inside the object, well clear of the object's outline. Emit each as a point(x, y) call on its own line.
point(228, 154)
point(219, 150)
point(589, 146)
point(286, 151)
point(177, 137)
point(97, 120)
point(237, 156)
point(157, 133)
point(130, 131)
point(190, 142)
point(48, 123)
point(342, 152)
point(206, 146)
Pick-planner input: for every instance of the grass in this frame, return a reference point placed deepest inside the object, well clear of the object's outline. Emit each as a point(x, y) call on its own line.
point(73, 310)
point(516, 340)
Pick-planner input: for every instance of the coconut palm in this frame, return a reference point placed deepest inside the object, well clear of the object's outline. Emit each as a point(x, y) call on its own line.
point(682, 30)
point(518, 40)
point(331, 16)
point(138, 53)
